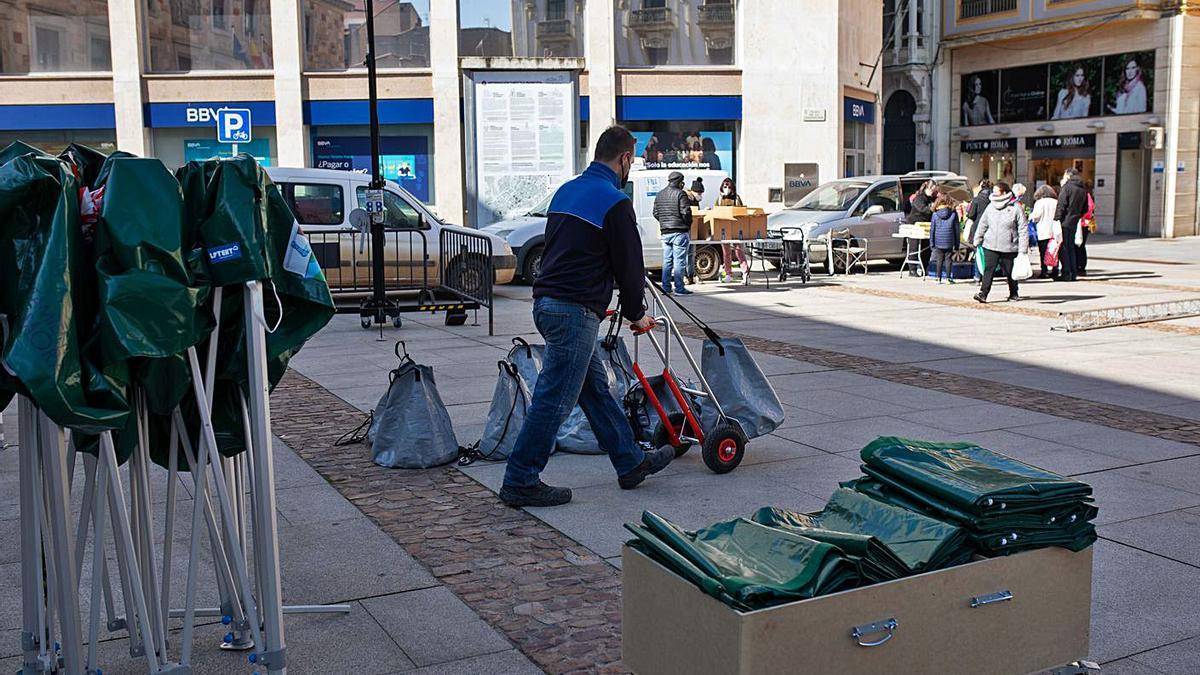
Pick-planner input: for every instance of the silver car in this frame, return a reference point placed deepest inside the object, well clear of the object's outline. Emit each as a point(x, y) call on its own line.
point(867, 207)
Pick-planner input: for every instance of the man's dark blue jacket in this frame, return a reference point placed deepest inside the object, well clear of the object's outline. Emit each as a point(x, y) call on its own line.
point(591, 240)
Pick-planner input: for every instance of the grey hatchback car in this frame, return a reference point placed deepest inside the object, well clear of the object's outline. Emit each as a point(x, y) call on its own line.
point(868, 207)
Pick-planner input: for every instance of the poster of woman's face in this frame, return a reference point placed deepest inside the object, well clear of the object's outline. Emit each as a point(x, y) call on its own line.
point(1129, 83)
point(980, 94)
point(1075, 88)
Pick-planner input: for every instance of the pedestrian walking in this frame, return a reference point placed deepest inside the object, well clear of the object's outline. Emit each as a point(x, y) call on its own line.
point(729, 197)
point(1072, 207)
point(944, 236)
point(1001, 233)
point(673, 211)
point(591, 240)
point(1048, 229)
point(979, 204)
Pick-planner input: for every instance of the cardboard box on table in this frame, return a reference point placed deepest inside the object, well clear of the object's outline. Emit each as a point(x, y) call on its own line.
point(671, 626)
point(736, 223)
point(700, 227)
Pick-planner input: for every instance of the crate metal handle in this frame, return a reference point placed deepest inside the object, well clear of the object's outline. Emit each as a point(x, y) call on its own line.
point(886, 625)
point(990, 598)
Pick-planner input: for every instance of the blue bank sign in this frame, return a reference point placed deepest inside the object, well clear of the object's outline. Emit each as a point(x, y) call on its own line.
point(858, 110)
point(175, 115)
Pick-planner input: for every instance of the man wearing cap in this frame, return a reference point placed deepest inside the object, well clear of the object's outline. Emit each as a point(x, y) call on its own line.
point(673, 211)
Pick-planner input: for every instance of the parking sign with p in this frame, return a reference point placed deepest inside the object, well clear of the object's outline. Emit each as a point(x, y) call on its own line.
point(233, 125)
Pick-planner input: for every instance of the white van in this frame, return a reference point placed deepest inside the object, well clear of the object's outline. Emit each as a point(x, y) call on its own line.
point(527, 234)
point(328, 204)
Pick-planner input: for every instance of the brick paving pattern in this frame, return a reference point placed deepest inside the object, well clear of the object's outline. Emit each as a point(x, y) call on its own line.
point(555, 599)
point(1158, 425)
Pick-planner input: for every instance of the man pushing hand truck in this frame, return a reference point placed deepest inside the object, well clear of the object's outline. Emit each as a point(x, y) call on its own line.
point(591, 239)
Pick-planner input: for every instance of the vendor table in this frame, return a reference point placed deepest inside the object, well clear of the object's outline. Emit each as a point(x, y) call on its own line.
point(913, 248)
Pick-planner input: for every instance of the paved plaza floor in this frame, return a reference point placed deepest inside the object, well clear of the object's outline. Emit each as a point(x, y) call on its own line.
point(443, 578)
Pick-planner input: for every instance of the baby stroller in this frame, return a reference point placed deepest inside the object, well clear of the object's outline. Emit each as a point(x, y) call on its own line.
point(793, 257)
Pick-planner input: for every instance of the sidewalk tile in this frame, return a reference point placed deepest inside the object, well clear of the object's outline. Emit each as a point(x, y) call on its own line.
point(433, 626)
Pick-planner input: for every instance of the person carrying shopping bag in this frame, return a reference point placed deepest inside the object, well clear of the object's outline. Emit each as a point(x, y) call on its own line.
point(1001, 233)
point(1072, 207)
point(1048, 230)
point(729, 197)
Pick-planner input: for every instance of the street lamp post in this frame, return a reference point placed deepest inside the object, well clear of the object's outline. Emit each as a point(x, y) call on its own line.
point(378, 306)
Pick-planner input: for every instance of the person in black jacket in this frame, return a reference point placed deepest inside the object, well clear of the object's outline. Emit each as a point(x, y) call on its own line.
point(921, 207)
point(1072, 205)
point(979, 204)
point(673, 211)
point(591, 239)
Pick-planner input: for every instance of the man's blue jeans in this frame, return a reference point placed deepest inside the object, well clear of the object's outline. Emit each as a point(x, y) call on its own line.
point(676, 257)
point(573, 371)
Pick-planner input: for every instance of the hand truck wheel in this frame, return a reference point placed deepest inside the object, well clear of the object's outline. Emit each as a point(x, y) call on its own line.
point(724, 448)
point(660, 439)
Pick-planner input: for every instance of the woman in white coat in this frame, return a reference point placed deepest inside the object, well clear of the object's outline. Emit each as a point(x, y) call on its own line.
point(1044, 204)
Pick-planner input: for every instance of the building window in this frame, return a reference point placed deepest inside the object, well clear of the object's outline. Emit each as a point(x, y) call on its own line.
point(676, 33)
point(100, 52)
point(335, 35)
point(858, 143)
point(40, 36)
point(970, 9)
point(48, 47)
point(223, 35)
point(504, 28)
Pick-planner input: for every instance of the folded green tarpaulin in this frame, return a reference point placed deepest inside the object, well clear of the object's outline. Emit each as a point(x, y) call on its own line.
point(919, 543)
point(757, 566)
point(1066, 526)
point(969, 477)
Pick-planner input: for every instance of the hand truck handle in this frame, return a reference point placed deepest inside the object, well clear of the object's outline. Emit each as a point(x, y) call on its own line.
point(643, 331)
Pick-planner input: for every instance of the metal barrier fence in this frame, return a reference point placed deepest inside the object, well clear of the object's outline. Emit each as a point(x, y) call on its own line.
point(345, 257)
point(467, 268)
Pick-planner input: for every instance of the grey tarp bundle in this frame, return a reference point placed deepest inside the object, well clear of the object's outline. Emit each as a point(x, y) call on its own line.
point(739, 385)
point(412, 428)
point(642, 415)
point(515, 385)
point(510, 404)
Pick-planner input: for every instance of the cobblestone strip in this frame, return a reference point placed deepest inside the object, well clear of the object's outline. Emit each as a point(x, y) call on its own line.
point(996, 306)
point(1167, 427)
point(555, 599)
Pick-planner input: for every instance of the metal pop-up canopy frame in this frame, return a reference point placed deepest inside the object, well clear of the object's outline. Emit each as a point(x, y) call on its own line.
point(106, 250)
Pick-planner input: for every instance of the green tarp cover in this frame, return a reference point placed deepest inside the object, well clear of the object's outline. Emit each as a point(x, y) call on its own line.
point(106, 271)
point(1004, 505)
point(968, 476)
point(756, 566)
point(917, 542)
point(47, 295)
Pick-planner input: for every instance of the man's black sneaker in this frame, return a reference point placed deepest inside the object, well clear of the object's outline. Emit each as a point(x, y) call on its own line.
point(534, 495)
point(1015, 298)
point(979, 297)
point(655, 461)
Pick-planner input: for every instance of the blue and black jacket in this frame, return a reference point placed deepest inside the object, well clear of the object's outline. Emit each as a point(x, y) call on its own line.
point(592, 240)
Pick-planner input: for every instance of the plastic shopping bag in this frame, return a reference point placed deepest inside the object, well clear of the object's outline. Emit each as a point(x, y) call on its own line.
point(1052, 249)
point(1022, 269)
point(979, 263)
point(1079, 233)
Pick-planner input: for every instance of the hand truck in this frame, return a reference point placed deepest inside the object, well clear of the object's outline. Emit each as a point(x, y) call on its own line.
point(724, 445)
